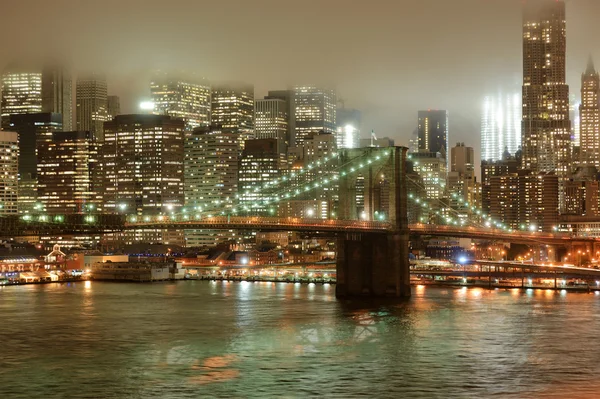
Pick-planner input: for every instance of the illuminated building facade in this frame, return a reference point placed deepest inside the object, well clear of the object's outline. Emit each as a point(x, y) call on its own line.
point(288, 97)
point(589, 112)
point(507, 165)
point(271, 121)
point(462, 184)
point(433, 131)
point(233, 110)
point(314, 111)
point(500, 125)
point(187, 99)
point(432, 169)
point(68, 173)
point(9, 172)
point(32, 129)
point(91, 101)
point(546, 126)
point(348, 128)
point(57, 93)
point(21, 93)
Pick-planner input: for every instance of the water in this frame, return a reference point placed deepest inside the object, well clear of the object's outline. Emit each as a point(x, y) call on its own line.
point(196, 339)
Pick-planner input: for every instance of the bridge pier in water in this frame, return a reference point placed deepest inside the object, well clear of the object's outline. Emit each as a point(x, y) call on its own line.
point(374, 264)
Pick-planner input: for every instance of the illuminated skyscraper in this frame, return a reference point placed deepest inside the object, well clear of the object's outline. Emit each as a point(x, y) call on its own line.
point(288, 97)
point(21, 92)
point(113, 106)
point(500, 126)
point(271, 121)
point(57, 93)
point(314, 110)
point(9, 172)
point(92, 107)
point(233, 110)
point(348, 128)
point(589, 112)
point(433, 131)
point(187, 99)
point(546, 127)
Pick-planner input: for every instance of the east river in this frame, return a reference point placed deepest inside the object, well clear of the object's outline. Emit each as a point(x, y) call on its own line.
point(196, 339)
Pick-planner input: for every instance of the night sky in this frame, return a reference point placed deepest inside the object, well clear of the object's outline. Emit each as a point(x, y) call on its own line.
point(386, 58)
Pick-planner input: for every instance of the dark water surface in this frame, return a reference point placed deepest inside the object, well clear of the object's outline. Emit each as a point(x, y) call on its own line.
point(197, 339)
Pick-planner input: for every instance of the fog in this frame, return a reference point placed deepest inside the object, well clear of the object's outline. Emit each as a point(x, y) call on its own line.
point(387, 58)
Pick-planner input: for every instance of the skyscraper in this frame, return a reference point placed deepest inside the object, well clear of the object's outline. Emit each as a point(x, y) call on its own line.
point(188, 99)
point(314, 110)
point(92, 107)
point(288, 97)
point(589, 112)
point(21, 92)
point(113, 106)
point(57, 93)
point(546, 127)
point(348, 123)
point(462, 184)
point(9, 172)
point(271, 121)
point(233, 110)
point(433, 131)
point(500, 125)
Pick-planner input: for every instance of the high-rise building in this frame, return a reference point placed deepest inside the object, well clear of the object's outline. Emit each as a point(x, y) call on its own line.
point(314, 111)
point(57, 93)
point(431, 166)
point(92, 108)
point(68, 173)
point(233, 110)
point(546, 127)
point(288, 97)
point(500, 125)
point(433, 131)
point(348, 128)
point(21, 92)
point(271, 121)
point(582, 192)
point(211, 179)
point(188, 99)
point(589, 112)
point(261, 162)
point(32, 129)
point(113, 106)
point(462, 184)
point(506, 166)
point(9, 172)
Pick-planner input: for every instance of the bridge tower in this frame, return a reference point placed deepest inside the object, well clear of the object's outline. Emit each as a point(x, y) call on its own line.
point(374, 264)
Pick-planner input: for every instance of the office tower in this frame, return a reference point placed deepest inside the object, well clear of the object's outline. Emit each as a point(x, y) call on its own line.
point(348, 123)
point(507, 165)
point(179, 97)
point(526, 200)
point(57, 93)
point(233, 110)
point(113, 106)
point(32, 129)
point(546, 127)
point(288, 97)
point(9, 172)
point(68, 173)
point(461, 179)
point(211, 179)
point(582, 193)
point(271, 121)
point(500, 125)
point(21, 92)
point(261, 162)
point(589, 112)
point(91, 100)
point(315, 111)
point(433, 131)
point(431, 166)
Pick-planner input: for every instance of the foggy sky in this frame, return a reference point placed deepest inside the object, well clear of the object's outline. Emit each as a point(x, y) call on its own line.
point(388, 58)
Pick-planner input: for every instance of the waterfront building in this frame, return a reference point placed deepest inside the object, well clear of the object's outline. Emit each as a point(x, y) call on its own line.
point(92, 107)
point(433, 132)
point(185, 98)
point(589, 113)
point(9, 172)
point(233, 110)
point(546, 127)
point(57, 93)
point(314, 111)
point(500, 125)
point(21, 92)
point(68, 173)
point(32, 130)
point(348, 128)
point(271, 121)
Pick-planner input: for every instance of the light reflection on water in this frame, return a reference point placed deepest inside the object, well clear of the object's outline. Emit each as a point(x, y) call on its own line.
point(243, 339)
